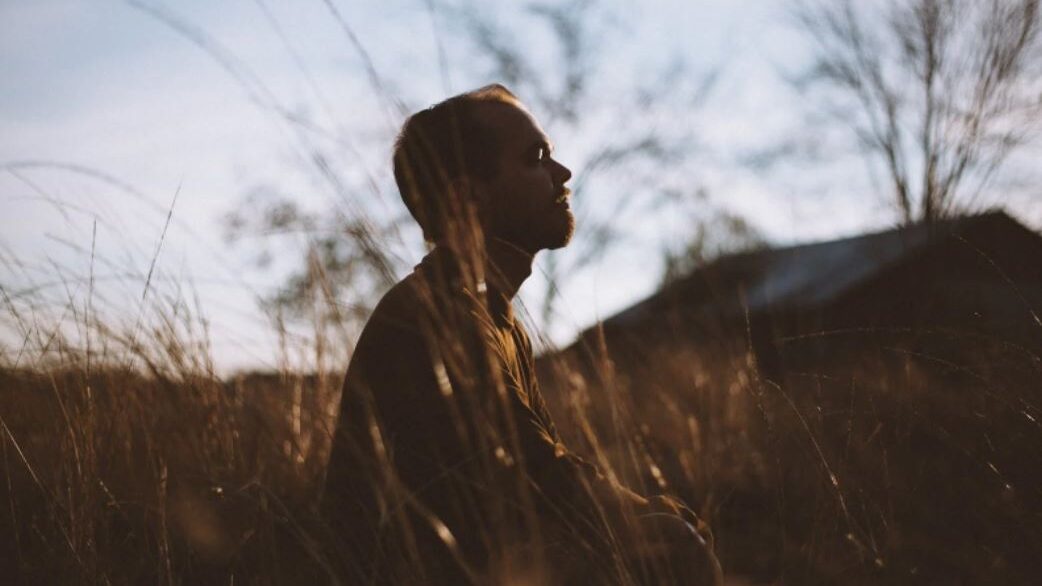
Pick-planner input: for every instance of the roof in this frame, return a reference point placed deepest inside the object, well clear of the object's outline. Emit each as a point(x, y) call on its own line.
point(803, 276)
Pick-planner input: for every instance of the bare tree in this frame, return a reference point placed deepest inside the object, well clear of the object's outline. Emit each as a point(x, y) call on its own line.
point(939, 92)
point(715, 232)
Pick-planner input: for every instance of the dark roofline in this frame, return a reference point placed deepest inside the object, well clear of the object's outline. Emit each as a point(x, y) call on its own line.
point(954, 224)
point(776, 285)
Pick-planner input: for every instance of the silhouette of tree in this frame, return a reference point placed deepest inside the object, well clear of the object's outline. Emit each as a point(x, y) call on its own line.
point(715, 232)
point(938, 92)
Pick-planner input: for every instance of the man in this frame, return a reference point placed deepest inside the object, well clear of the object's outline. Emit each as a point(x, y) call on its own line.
point(446, 467)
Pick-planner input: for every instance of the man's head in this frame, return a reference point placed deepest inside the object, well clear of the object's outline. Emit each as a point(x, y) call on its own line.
point(482, 151)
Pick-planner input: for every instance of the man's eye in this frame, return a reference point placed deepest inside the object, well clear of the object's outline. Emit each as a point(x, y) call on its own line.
point(541, 154)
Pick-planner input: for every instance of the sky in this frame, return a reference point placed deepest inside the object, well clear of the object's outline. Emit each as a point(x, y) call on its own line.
point(116, 115)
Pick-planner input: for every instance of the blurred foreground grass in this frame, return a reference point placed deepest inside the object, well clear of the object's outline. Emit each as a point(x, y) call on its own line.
point(896, 457)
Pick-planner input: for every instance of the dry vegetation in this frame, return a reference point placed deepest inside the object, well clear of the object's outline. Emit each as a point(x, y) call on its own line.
point(894, 457)
point(140, 465)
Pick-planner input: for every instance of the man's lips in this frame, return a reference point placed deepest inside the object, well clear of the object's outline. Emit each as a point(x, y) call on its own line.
point(563, 197)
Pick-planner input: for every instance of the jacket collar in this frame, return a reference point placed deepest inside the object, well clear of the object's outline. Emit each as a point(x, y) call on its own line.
point(496, 278)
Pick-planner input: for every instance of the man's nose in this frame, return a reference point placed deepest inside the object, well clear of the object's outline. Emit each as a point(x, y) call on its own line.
point(563, 173)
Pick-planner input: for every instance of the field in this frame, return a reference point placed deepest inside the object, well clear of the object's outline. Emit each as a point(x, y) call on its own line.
point(898, 460)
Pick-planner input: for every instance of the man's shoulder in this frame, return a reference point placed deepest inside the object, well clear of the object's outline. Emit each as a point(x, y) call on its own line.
point(397, 310)
point(392, 332)
point(419, 306)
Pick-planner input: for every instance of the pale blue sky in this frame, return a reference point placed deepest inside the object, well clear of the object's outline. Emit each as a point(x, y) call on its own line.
point(105, 86)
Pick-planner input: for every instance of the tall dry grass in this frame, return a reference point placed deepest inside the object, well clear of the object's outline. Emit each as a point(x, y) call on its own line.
point(128, 460)
point(885, 456)
point(891, 457)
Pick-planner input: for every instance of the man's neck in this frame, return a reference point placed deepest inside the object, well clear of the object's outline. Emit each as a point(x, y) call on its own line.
point(507, 266)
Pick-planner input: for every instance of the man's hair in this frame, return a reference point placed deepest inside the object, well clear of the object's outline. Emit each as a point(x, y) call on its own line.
point(440, 144)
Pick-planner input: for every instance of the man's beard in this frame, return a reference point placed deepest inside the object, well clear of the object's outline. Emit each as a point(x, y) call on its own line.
point(550, 229)
point(552, 232)
point(561, 237)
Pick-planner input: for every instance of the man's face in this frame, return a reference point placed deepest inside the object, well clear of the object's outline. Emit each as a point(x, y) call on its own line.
point(528, 202)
